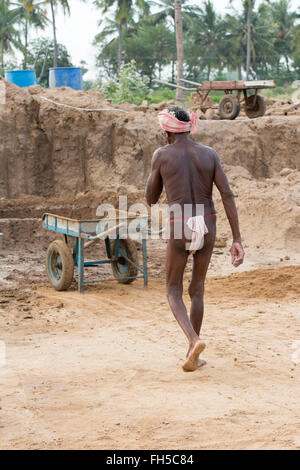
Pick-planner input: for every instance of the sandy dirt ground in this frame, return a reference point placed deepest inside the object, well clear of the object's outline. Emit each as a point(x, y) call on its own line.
point(102, 370)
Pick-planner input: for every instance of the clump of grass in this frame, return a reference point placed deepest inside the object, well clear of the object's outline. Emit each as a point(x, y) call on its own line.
point(161, 94)
point(216, 98)
point(283, 92)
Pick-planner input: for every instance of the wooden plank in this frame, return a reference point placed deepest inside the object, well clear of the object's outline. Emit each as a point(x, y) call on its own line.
point(227, 85)
point(260, 84)
point(237, 85)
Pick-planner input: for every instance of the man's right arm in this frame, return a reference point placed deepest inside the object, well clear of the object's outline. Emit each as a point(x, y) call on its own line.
point(221, 181)
point(154, 184)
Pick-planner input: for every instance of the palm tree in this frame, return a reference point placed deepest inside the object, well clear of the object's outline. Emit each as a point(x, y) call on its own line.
point(123, 12)
point(263, 50)
point(66, 9)
point(9, 34)
point(180, 94)
point(109, 40)
point(207, 38)
point(233, 45)
point(285, 21)
point(32, 13)
point(250, 7)
point(166, 11)
point(166, 14)
point(236, 36)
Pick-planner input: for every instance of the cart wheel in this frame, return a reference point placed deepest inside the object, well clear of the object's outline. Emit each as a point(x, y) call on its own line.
point(122, 269)
point(259, 108)
point(229, 107)
point(60, 265)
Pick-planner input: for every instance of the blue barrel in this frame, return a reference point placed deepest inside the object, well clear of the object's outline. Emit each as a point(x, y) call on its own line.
point(65, 76)
point(22, 78)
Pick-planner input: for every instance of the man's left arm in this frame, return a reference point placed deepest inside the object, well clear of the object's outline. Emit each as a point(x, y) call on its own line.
point(154, 185)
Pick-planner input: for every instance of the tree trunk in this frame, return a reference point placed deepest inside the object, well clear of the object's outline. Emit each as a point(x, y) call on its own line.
point(54, 34)
point(2, 54)
point(173, 71)
point(120, 58)
point(43, 67)
point(26, 43)
point(208, 72)
point(249, 38)
point(240, 69)
point(180, 94)
point(287, 63)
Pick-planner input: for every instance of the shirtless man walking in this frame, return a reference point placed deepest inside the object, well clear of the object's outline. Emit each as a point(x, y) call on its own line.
point(188, 171)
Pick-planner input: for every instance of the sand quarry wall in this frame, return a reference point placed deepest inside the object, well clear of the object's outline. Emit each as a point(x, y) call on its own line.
point(64, 161)
point(46, 150)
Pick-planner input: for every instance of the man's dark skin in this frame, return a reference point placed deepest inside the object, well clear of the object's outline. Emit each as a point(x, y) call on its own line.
point(188, 170)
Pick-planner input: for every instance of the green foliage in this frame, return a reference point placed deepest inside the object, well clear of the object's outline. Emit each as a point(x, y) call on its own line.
point(216, 98)
point(206, 34)
point(88, 84)
point(131, 87)
point(152, 48)
point(162, 94)
point(284, 92)
point(214, 45)
point(144, 31)
point(32, 14)
point(9, 33)
point(83, 65)
point(296, 47)
point(37, 54)
point(124, 9)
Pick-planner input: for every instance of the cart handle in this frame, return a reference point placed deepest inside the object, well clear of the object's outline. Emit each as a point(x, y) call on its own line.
point(102, 235)
point(174, 86)
point(156, 232)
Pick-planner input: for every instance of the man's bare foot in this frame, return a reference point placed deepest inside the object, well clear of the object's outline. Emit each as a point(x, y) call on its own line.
point(191, 363)
point(201, 363)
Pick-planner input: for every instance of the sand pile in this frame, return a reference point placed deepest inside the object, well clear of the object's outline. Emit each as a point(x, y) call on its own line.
point(269, 210)
point(278, 107)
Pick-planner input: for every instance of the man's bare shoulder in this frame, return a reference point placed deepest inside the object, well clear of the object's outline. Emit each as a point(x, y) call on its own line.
point(206, 149)
point(209, 151)
point(159, 154)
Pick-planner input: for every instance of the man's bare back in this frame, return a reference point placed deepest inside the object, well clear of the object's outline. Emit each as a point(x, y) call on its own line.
point(188, 170)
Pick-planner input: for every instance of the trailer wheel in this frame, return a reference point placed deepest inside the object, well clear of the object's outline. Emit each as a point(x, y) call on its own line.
point(229, 107)
point(59, 265)
point(258, 110)
point(122, 269)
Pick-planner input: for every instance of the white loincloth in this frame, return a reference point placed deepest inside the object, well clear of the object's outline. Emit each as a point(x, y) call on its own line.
point(198, 227)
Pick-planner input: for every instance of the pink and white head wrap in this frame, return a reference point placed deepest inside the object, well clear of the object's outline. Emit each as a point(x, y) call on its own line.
point(168, 122)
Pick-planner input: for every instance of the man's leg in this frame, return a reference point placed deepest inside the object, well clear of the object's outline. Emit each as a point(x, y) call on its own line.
point(196, 288)
point(176, 261)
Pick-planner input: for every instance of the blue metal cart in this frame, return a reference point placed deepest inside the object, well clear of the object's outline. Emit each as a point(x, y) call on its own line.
point(120, 249)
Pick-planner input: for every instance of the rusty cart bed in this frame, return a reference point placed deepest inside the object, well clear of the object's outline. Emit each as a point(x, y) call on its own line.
point(230, 105)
